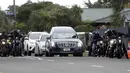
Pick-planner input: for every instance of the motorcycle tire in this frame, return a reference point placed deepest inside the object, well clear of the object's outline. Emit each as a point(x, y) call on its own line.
point(111, 52)
point(119, 53)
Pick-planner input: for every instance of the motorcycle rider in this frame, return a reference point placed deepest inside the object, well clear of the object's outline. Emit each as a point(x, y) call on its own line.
point(111, 36)
point(106, 40)
point(17, 40)
point(3, 36)
point(9, 42)
point(121, 36)
point(3, 44)
point(95, 38)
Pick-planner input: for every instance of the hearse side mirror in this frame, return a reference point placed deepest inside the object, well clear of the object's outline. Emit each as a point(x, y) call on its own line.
point(74, 36)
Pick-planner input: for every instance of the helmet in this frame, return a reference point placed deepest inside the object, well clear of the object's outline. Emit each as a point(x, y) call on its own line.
point(16, 38)
point(114, 31)
point(95, 32)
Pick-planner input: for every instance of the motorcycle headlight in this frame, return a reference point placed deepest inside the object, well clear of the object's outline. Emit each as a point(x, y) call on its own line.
point(3, 42)
point(112, 41)
point(101, 42)
point(119, 41)
point(80, 44)
point(52, 44)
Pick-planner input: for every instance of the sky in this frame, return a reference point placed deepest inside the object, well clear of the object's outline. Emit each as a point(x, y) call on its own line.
point(5, 3)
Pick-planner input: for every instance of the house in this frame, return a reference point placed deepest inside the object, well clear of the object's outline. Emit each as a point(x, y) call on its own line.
point(103, 16)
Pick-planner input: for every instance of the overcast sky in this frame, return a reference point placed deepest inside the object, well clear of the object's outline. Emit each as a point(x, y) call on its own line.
point(5, 3)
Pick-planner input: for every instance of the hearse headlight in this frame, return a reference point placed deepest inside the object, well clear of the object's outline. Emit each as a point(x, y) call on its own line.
point(80, 44)
point(52, 44)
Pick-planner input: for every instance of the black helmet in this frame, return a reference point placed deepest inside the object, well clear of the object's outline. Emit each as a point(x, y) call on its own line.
point(95, 32)
point(114, 31)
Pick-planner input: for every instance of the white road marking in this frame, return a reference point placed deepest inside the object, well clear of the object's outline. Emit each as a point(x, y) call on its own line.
point(51, 60)
point(20, 57)
point(97, 66)
point(71, 63)
point(31, 58)
point(39, 58)
point(26, 58)
point(128, 70)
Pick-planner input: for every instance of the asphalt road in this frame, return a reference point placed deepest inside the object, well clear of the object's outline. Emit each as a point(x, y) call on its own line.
point(63, 65)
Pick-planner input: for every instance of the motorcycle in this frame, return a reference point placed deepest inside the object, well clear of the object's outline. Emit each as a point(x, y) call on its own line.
point(17, 48)
point(96, 48)
point(4, 51)
point(101, 49)
point(119, 51)
point(111, 48)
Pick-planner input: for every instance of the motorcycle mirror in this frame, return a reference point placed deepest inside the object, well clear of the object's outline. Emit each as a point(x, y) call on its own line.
point(26, 38)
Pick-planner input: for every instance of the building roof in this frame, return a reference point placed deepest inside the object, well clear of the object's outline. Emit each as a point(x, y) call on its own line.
point(93, 14)
point(102, 14)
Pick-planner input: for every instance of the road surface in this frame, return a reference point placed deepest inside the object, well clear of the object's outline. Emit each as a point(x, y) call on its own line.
point(63, 65)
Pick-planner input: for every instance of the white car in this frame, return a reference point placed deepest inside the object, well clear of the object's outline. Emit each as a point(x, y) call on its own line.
point(29, 42)
point(40, 44)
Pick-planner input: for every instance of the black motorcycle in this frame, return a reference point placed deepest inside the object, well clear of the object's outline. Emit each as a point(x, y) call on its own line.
point(4, 51)
point(111, 48)
point(17, 48)
point(119, 51)
point(101, 49)
point(95, 49)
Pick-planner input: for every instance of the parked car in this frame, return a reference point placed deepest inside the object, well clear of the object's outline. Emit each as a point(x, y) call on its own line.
point(62, 41)
point(40, 44)
point(29, 42)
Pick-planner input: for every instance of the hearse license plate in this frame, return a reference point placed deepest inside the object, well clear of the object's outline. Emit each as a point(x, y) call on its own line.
point(67, 49)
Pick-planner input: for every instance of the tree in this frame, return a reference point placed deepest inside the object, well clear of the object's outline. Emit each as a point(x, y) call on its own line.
point(46, 18)
point(21, 26)
point(118, 6)
point(11, 8)
point(54, 15)
point(84, 28)
point(75, 16)
point(29, 2)
point(4, 23)
point(42, 16)
point(26, 9)
point(98, 4)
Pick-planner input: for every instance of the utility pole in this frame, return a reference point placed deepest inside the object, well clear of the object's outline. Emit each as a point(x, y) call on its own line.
point(123, 13)
point(14, 14)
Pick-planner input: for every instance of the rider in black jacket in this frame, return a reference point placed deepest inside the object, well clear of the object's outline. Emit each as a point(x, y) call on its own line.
point(95, 38)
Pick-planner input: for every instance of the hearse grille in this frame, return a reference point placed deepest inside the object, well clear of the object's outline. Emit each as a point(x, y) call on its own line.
point(66, 44)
